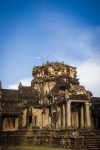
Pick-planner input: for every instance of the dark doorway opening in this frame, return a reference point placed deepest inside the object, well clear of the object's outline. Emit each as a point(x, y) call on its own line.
point(30, 120)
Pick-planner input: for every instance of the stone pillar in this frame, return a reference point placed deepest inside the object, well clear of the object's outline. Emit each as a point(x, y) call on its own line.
point(87, 114)
point(46, 117)
point(59, 123)
point(43, 117)
point(59, 116)
point(24, 118)
point(77, 118)
point(20, 121)
point(33, 120)
point(16, 122)
point(82, 117)
point(72, 118)
point(92, 120)
point(68, 114)
point(51, 116)
point(27, 117)
point(63, 115)
point(49, 120)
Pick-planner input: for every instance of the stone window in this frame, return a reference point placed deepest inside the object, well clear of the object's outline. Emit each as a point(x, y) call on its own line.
point(46, 72)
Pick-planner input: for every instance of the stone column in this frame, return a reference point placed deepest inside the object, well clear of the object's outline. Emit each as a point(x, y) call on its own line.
point(68, 114)
point(82, 117)
point(16, 122)
point(72, 118)
point(63, 115)
point(49, 120)
point(24, 118)
point(43, 119)
point(46, 117)
point(27, 117)
point(20, 121)
point(87, 114)
point(92, 120)
point(77, 118)
point(51, 116)
point(32, 116)
point(59, 116)
point(33, 120)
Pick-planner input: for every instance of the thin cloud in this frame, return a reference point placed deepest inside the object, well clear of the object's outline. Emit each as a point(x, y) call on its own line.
point(84, 53)
point(25, 82)
point(89, 74)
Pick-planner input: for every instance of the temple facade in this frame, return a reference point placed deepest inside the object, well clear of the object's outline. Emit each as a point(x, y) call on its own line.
point(55, 100)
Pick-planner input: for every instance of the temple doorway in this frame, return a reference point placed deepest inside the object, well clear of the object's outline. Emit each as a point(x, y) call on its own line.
point(30, 121)
point(77, 115)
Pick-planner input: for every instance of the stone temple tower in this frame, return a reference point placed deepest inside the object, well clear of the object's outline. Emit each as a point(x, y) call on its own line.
point(55, 109)
point(59, 90)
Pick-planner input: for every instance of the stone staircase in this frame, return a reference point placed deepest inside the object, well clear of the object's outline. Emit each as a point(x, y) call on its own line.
point(91, 139)
point(93, 142)
point(87, 139)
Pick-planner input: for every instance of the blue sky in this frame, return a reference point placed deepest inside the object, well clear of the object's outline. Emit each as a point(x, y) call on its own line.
point(33, 31)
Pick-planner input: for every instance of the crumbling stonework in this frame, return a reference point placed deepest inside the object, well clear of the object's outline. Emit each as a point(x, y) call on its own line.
point(54, 101)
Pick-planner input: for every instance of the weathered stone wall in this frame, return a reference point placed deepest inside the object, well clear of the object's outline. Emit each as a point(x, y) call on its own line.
point(24, 118)
point(10, 123)
point(37, 117)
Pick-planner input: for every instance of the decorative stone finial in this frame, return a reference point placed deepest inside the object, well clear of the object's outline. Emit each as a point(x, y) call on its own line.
point(20, 85)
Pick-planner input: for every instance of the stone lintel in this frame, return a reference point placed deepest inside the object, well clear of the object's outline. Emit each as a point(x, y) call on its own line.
point(79, 101)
